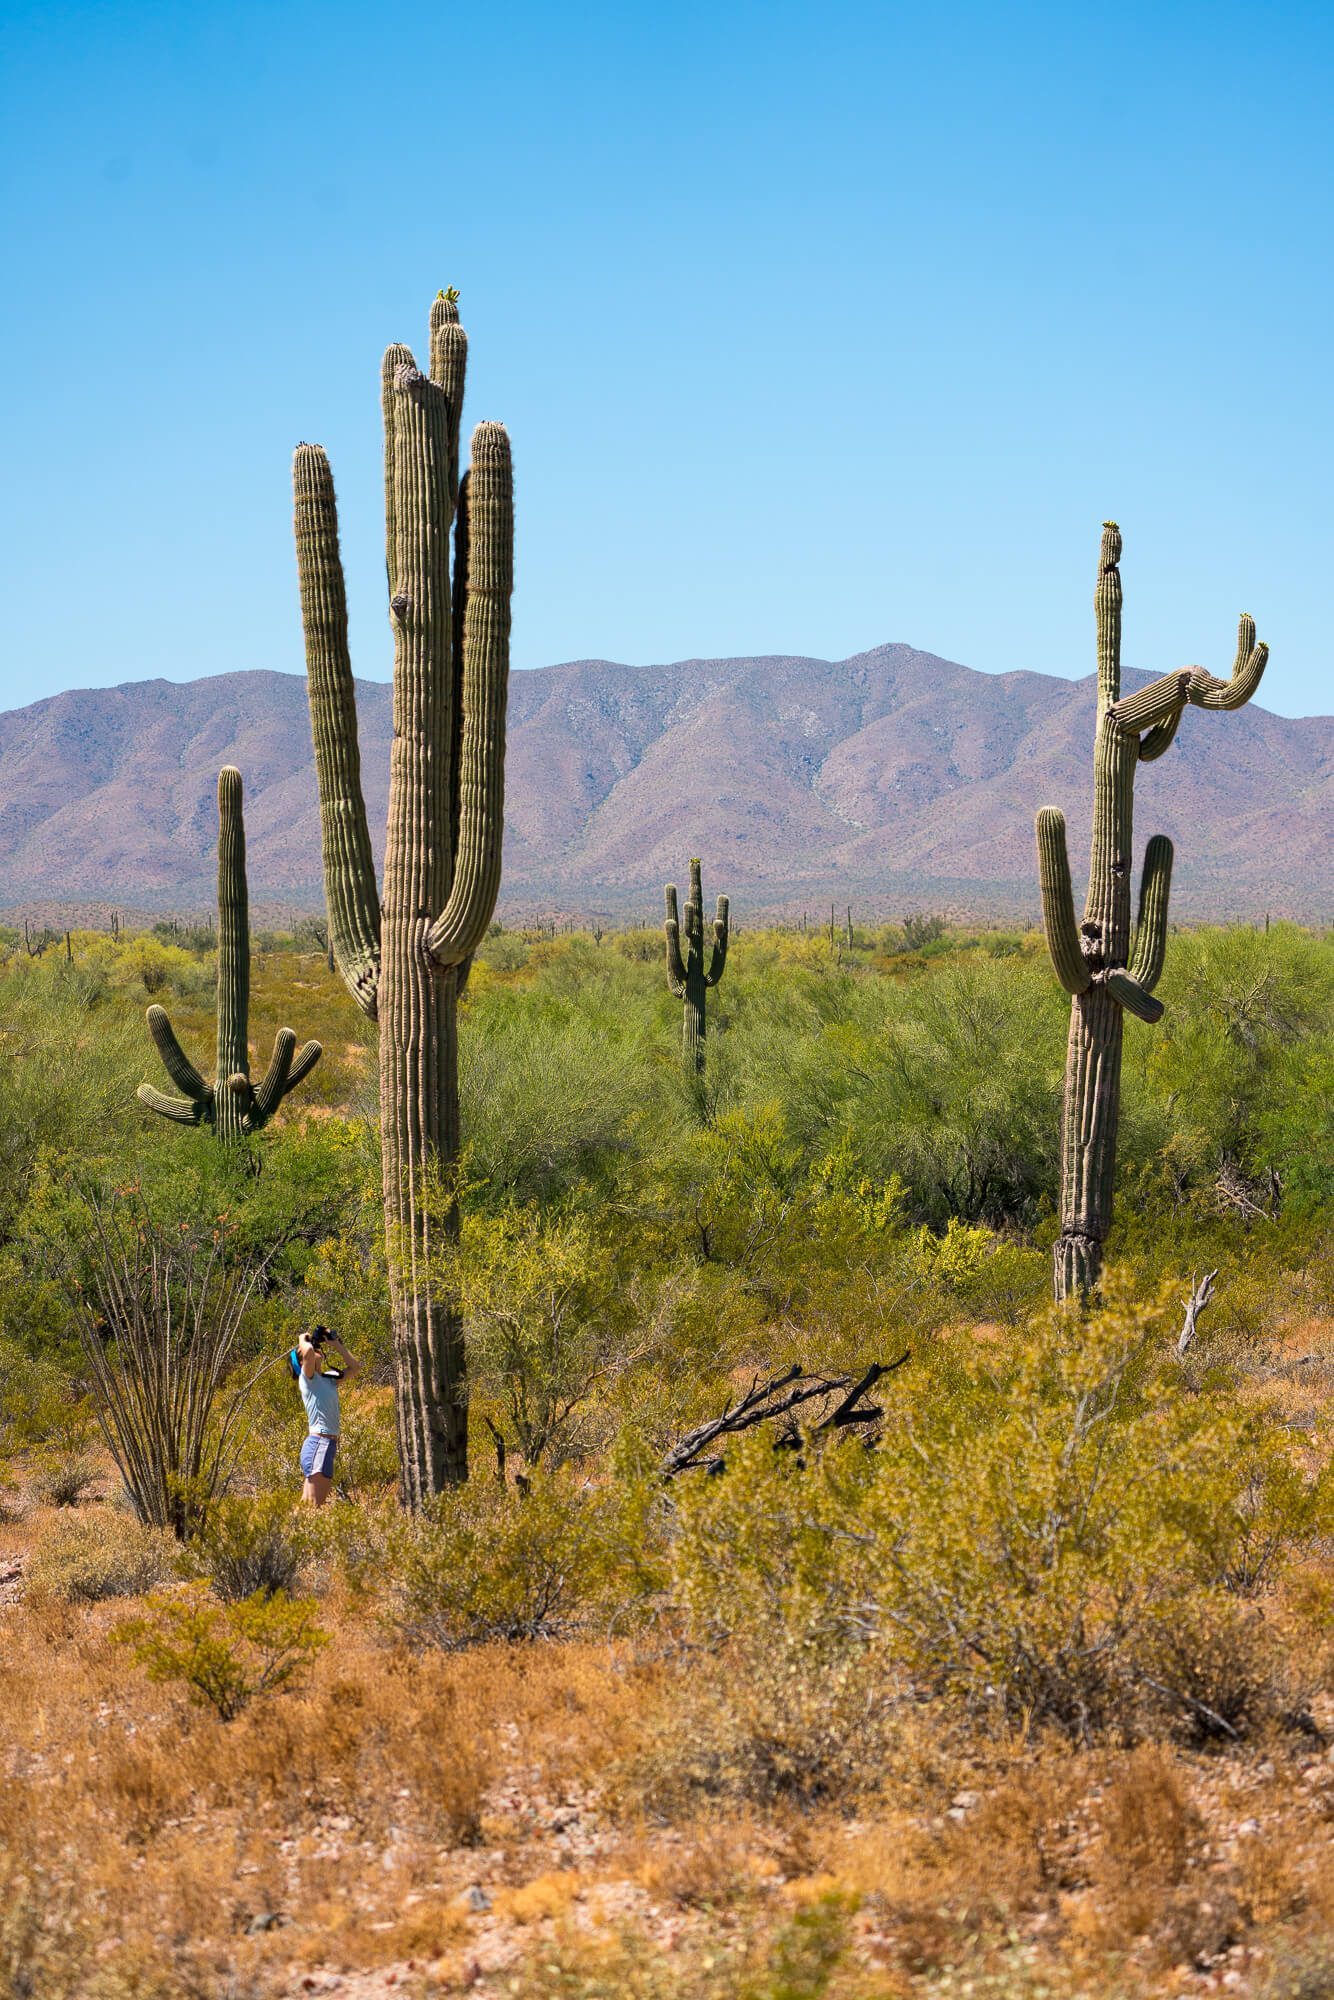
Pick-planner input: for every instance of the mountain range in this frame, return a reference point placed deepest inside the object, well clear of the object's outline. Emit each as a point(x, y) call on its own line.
point(893, 779)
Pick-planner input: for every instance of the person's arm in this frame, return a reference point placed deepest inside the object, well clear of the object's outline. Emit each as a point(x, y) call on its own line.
point(308, 1355)
point(351, 1366)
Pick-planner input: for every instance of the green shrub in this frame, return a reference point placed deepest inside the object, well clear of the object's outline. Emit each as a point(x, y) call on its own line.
point(368, 1450)
point(100, 1554)
point(492, 1562)
point(161, 968)
point(1238, 1079)
point(40, 1416)
point(502, 953)
point(67, 1080)
point(224, 1655)
point(1039, 1529)
point(252, 1547)
point(61, 1478)
point(547, 1323)
point(554, 1080)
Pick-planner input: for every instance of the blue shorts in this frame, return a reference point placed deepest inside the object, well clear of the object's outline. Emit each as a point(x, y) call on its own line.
point(317, 1456)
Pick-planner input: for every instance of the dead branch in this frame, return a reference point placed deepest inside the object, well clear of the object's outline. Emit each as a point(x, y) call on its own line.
point(778, 1398)
point(1200, 1297)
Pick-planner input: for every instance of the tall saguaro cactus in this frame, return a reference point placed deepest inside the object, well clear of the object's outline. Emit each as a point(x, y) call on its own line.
point(1105, 967)
point(231, 1104)
point(404, 957)
point(686, 972)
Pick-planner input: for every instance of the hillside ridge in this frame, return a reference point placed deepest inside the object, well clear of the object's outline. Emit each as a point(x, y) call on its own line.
point(890, 772)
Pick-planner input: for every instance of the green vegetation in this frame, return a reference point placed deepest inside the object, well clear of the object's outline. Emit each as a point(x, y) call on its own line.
point(975, 1694)
point(224, 1655)
point(873, 1157)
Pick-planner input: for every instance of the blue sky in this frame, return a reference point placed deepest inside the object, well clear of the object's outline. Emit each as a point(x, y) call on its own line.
point(814, 325)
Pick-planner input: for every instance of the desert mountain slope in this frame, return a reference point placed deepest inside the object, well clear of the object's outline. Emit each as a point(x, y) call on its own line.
point(889, 773)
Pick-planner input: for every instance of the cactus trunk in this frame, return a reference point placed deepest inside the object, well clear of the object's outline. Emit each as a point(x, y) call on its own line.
point(1092, 1107)
point(405, 957)
point(693, 1024)
point(233, 1050)
point(419, 1140)
point(1104, 966)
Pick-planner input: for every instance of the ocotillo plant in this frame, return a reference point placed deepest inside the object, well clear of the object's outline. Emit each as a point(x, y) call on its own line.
point(1105, 968)
point(686, 974)
point(231, 1104)
point(405, 958)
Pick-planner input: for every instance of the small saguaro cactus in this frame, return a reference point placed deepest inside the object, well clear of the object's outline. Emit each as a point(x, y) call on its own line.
point(231, 1104)
point(686, 974)
point(1106, 968)
point(405, 956)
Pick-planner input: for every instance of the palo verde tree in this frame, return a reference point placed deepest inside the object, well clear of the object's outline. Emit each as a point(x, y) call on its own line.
point(686, 972)
point(404, 956)
point(231, 1105)
point(1106, 968)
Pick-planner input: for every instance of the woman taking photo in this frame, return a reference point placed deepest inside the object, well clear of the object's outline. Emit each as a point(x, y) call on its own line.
point(318, 1384)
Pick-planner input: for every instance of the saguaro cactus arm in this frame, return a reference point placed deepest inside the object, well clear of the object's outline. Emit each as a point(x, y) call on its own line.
point(482, 695)
point(1162, 701)
point(1107, 612)
point(419, 840)
point(1154, 707)
point(1134, 985)
point(185, 1111)
point(1161, 736)
point(676, 970)
point(718, 956)
point(349, 867)
point(174, 1059)
point(285, 1071)
point(449, 367)
point(1206, 691)
point(1132, 996)
point(1058, 903)
point(1149, 945)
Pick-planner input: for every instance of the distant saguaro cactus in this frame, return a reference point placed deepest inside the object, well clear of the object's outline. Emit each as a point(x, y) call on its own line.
point(1100, 963)
point(231, 1104)
point(405, 959)
point(686, 974)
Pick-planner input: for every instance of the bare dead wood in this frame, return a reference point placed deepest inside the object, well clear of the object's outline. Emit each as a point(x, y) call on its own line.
point(1232, 1190)
point(776, 1399)
point(1200, 1296)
